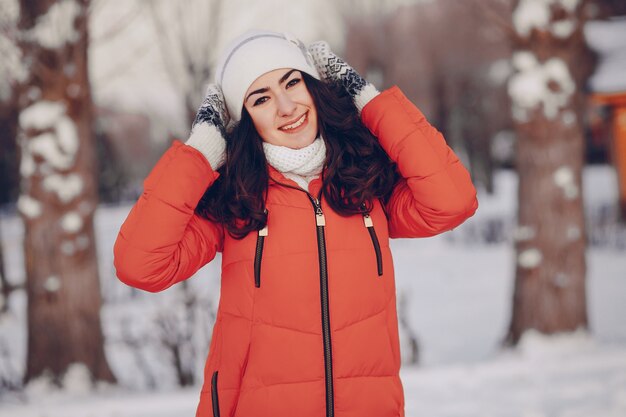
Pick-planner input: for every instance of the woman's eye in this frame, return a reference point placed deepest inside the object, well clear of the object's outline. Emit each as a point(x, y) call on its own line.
point(293, 82)
point(260, 100)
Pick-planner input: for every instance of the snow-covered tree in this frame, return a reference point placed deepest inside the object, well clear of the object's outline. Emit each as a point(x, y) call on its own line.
point(546, 90)
point(58, 192)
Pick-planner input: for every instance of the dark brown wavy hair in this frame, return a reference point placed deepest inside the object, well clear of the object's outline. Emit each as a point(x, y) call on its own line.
point(358, 169)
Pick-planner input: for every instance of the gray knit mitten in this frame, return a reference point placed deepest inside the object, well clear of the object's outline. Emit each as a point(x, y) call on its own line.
point(209, 127)
point(333, 68)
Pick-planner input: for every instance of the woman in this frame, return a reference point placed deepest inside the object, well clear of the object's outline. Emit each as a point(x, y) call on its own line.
point(317, 172)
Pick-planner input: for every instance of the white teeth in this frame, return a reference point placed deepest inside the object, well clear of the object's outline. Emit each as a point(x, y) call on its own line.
point(296, 124)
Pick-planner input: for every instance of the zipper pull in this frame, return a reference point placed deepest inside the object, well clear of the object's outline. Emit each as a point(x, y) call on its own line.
point(320, 220)
point(263, 232)
point(367, 220)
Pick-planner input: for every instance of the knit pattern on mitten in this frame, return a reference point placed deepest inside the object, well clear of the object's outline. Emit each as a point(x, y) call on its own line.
point(208, 129)
point(333, 68)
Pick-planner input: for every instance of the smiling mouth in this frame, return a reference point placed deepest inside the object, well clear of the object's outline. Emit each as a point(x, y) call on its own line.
point(295, 124)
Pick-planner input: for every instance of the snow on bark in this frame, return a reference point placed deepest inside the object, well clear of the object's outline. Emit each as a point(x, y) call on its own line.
point(536, 14)
point(28, 206)
point(549, 84)
point(56, 27)
point(52, 284)
point(27, 163)
point(563, 28)
point(71, 222)
point(58, 148)
point(531, 14)
point(41, 115)
point(564, 178)
point(66, 187)
point(530, 258)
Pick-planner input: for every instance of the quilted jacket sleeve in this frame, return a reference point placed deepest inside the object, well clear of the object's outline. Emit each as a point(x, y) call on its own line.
point(436, 193)
point(162, 241)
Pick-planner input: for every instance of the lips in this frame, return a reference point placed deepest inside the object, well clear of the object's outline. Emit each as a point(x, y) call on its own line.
point(292, 126)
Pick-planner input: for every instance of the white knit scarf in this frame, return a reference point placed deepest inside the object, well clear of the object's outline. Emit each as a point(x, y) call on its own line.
point(301, 165)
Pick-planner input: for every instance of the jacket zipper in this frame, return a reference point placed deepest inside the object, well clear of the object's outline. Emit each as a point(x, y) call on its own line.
point(214, 399)
point(320, 223)
point(367, 219)
point(260, 240)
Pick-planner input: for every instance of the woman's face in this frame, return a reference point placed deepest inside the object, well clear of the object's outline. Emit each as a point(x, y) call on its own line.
point(282, 109)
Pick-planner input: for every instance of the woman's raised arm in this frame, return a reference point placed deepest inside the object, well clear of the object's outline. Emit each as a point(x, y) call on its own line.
point(436, 193)
point(163, 241)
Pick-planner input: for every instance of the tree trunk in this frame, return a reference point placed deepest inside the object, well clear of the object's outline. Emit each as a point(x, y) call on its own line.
point(59, 195)
point(550, 239)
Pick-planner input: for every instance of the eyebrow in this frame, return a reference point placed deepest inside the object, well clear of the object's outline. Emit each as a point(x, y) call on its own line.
point(264, 89)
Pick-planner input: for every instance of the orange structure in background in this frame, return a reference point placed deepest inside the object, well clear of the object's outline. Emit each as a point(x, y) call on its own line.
point(617, 104)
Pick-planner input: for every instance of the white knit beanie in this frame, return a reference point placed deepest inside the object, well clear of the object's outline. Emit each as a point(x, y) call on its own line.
point(253, 54)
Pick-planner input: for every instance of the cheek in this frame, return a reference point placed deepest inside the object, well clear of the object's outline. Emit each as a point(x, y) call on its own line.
point(261, 120)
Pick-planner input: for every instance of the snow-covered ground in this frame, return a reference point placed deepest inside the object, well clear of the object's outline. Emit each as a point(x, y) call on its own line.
point(458, 289)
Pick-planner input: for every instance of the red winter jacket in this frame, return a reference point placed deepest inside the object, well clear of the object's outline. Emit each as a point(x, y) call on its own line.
point(306, 324)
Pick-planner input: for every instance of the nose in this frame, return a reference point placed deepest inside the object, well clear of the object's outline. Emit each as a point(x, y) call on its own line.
point(285, 104)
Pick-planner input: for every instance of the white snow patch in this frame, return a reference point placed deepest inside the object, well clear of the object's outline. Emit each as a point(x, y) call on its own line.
point(41, 115)
point(570, 5)
point(564, 178)
point(41, 386)
point(56, 27)
point(71, 222)
point(27, 164)
point(535, 84)
point(77, 379)
point(28, 206)
point(531, 14)
point(52, 284)
point(536, 14)
point(67, 187)
point(67, 135)
point(530, 258)
point(58, 148)
point(563, 28)
point(46, 146)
